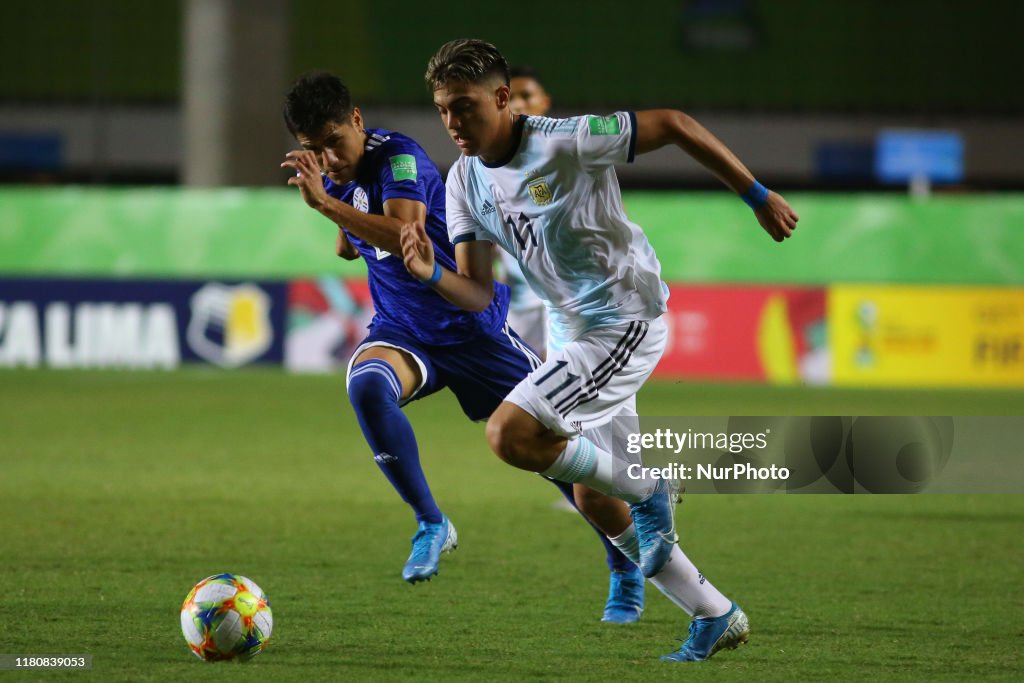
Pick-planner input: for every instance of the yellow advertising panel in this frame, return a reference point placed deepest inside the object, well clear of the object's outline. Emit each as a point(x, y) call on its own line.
point(896, 335)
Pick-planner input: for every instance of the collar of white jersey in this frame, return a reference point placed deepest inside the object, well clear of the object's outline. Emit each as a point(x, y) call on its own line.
point(518, 126)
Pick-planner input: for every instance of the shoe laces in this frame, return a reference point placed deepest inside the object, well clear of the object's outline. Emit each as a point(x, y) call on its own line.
point(423, 539)
point(695, 627)
point(648, 523)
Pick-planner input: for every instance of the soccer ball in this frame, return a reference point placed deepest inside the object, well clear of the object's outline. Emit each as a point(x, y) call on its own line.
point(226, 616)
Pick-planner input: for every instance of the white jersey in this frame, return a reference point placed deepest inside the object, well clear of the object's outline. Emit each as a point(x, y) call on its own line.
point(555, 205)
point(521, 296)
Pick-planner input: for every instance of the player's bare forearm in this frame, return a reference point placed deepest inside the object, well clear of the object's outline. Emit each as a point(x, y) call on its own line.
point(656, 128)
point(659, 127)
point(383, 232)
point(464, 292)
point(344, 248)
point(471, 288)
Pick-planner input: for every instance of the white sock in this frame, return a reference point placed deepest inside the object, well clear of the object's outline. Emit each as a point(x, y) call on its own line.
point(583, 462)
point(626, 542)
point(681, 583)
point(679, 580)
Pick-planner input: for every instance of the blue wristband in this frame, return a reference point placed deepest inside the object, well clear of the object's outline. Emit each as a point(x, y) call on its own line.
point(756, 196)
point(435, 277)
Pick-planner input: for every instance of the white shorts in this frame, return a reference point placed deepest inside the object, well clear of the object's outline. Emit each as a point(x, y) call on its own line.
point(583, 385)
point(531, 324)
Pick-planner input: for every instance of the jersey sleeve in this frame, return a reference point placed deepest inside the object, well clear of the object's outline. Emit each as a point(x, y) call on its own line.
point(603, 141)
point(400, 174)
point(462, 226)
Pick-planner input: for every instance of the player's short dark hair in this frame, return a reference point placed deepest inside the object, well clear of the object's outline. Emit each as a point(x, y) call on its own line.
point(466, 60)
point(315, 100)
point(524, 71)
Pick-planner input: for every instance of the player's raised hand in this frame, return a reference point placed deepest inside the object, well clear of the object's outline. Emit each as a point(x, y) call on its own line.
point(417, 251)
point(307, 176)
point(777, 217)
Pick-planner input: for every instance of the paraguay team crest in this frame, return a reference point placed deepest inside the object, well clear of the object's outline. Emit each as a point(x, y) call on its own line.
point(230, 324)
point(360, 200)
point(540, 191)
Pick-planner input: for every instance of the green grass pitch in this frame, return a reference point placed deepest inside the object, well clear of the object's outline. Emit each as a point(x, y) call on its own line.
point(119, 490)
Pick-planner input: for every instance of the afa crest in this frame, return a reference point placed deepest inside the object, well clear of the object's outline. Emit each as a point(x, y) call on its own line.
point(540, 191)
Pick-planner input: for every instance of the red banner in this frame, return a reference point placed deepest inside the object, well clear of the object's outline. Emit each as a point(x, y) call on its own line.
point(753, 333)
point(750, 333)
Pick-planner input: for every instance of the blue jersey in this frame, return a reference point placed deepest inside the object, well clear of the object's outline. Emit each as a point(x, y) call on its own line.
point(396, 167)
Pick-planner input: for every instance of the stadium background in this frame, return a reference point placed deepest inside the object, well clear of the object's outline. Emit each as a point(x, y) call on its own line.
point(155, 275)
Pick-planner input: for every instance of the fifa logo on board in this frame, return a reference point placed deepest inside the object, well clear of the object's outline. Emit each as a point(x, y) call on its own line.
point(230, 324)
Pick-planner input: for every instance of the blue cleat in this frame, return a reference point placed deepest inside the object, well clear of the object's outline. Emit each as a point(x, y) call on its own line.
point(430, 541)
point(655, 528)
point(709, 635)
point(625, 597)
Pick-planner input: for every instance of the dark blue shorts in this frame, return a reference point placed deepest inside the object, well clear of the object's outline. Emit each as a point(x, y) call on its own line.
point(480, 372)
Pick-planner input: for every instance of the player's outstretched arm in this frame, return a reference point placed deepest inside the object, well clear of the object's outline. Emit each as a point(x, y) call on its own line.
point(383, 232)
point(471, 288)
point(656, 128)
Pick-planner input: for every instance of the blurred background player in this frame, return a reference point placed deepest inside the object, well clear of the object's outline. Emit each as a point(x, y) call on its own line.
point(527, 93)
point(555, 203)
point(370, 181)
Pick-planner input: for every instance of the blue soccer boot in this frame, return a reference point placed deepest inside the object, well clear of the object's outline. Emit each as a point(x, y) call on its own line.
point(709, 635)
point(654, 519)
point(625, 597)
point(430, 540)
